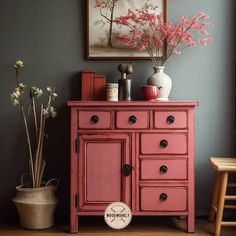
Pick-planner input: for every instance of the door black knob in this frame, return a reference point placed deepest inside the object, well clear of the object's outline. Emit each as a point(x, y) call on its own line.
point(164, 143)
point(94, 119)
point(163, 169)
point(163, 197)
point(132, 119)
point(127, 169)
point(170, 119)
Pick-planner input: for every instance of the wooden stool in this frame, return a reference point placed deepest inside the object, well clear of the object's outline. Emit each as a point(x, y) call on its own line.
point(222, 166)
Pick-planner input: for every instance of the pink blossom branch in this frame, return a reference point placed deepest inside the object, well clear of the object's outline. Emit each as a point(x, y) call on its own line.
point(149, 32)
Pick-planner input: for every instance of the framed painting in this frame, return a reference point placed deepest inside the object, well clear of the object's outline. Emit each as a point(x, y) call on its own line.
point(102, 28)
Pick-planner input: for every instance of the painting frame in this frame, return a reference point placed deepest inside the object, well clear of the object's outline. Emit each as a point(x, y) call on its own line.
point(91, 54)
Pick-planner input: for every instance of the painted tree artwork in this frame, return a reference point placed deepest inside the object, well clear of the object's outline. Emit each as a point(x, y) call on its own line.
point(106, 6)
point(102, 27)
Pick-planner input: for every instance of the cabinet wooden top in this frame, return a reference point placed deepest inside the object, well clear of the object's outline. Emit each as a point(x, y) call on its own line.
point(132, 103)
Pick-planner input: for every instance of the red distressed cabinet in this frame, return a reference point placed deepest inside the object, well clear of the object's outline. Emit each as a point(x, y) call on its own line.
point(140, 153)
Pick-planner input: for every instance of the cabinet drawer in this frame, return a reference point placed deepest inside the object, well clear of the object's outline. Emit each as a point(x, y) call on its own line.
point(94, 119)
point(164, 199)
point(170, 119)
point(163, 169)
point(132, 120)
point(164, 143)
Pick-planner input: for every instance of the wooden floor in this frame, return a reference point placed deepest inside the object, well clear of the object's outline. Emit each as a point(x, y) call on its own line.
point(148, 226)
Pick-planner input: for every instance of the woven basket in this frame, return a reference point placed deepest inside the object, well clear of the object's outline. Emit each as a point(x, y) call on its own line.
point(36, 206)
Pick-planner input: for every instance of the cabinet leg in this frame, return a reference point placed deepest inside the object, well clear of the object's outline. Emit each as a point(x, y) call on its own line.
point(74, 223)
point(191, 223)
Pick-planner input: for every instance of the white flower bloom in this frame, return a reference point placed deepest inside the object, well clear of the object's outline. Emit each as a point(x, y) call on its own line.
point(21, 85)
point(15, 98)
point(12, 96)
point(54, 95)
point(19, 63)
point(15, 95)
point(53, 114)
point(45, 112)
point(51, 108)
point(49, 89)
point(15, 102)
point(36, 92)
point(40, 92)
point(19, 90)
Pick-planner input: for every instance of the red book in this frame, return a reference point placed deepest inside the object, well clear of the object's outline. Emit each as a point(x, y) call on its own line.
point(99, 87)
point(87, 85)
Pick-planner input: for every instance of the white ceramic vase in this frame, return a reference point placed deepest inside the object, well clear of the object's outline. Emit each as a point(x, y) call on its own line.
point(162, 81)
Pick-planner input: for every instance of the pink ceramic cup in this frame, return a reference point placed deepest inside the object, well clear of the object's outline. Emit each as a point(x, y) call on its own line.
point(149, 92)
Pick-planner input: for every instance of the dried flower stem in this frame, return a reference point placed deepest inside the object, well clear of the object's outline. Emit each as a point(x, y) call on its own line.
point(29, 145)
point(35, 117)
point(41, 172)
point(36, 162)
point(17, 76)
point(31, 166)
point(38, 155)
point(38, 159)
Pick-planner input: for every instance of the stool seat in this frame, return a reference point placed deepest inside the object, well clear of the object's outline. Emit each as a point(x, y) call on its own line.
point(223, 164)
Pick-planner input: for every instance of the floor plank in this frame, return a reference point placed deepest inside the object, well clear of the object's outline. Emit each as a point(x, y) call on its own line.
point(148, 226)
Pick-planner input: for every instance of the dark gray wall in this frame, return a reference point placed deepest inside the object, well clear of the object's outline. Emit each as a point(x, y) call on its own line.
point(49, 36)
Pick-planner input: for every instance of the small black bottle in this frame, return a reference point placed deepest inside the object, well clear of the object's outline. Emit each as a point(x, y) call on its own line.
point(125, 89)
point(125, 83)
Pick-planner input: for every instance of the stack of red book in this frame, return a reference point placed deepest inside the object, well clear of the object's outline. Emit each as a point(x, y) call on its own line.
point(93, 86)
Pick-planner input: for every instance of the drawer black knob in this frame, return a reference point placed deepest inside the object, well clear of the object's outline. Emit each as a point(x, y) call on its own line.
point(163, 143)
point(170, 119)
point(127, 169)
point(94, 119)
point(163, 169)
point(132, 119)
point(163, 197)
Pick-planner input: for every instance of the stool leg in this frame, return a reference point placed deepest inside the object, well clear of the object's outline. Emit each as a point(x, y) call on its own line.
point(220, 209)
point(215, 197)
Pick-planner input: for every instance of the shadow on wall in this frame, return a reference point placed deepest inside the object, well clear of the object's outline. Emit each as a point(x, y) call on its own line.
point(57, 149)
point(57, 155)
point(75, 86)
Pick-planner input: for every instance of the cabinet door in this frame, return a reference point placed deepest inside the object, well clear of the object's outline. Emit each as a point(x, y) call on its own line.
point(101, 181)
